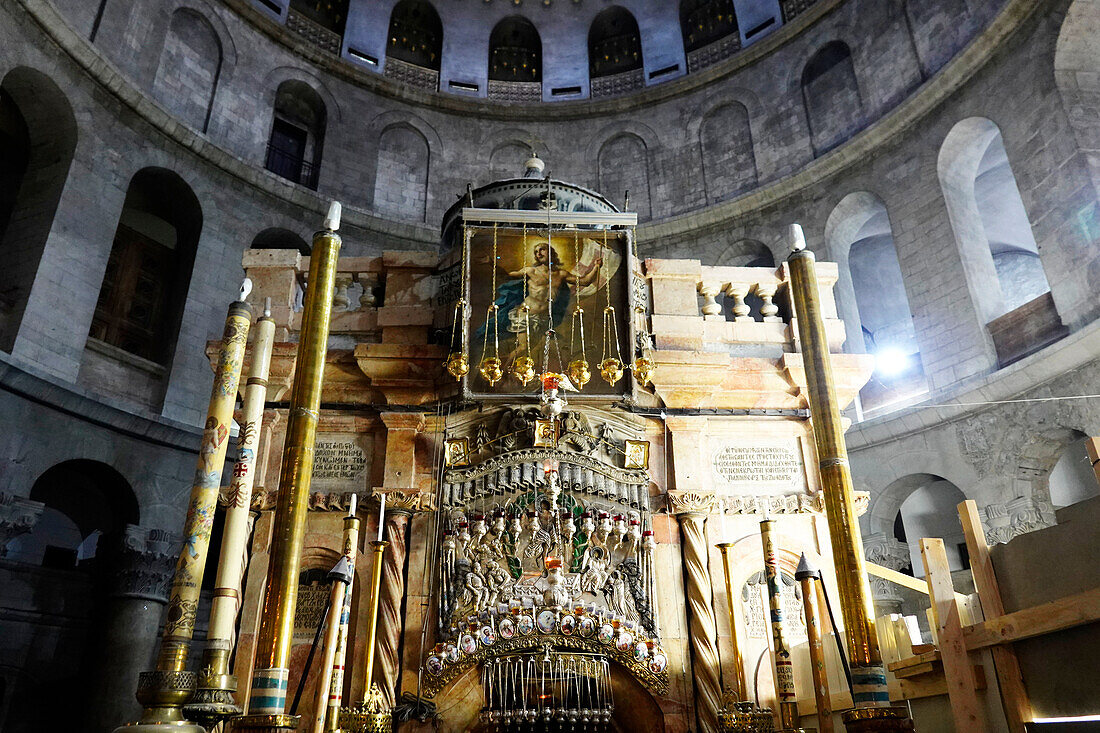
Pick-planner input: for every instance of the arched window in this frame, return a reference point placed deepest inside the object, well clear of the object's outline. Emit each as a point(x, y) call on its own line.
point(144, 289)
point(515, 51)
point(190, 63)
point(725, 143)
point(930, 510)
point(614, 44)
point(858, 232)
point(37, 140)
point(416, 34)
point(998, 250)
point(319, 21)
point(297, 133)
point(702, 22)
point(276, 238)
point(831, 96)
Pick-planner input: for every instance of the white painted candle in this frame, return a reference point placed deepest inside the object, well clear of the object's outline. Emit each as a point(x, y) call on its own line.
point(381, 515)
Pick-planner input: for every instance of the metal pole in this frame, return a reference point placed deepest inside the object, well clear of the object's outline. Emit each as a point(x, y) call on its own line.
point(330, 682)
point(809, 577)
point(368, 716)
point(213, 700)
point(267, 703)
point(738, 686)
point(784, 666)
point(868, 672)
point(163, 691)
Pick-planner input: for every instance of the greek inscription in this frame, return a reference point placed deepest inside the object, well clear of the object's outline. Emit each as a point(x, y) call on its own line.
point(758, 464)
point(338, 460)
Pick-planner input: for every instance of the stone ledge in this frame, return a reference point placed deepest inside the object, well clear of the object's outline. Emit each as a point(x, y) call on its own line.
point(29, 384)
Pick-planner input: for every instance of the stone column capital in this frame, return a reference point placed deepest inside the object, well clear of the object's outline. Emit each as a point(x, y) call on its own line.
point(692, 503)
point(18, 516)
point(145, 561)
point(405, 501)
point(403, 420)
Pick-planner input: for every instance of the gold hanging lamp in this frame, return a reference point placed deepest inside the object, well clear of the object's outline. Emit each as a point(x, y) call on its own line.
point(523, 366)
point(578, 370)
point(491, 368)
point(643, 367)
point(458, 361)
point(611, 366)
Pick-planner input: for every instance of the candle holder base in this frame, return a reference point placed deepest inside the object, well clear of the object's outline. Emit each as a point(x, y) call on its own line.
point(162, 695)
point(893, 719)
point(373, 715)
point(745, 717)
point(263, 723)
point(213, 700)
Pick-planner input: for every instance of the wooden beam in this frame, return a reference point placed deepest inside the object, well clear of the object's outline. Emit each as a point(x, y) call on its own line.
point(966, 709)
point(1059, 615)
point(906, 581)
point(1017, 704)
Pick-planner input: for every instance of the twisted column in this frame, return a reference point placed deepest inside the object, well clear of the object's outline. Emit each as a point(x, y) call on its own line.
point(390, 621)
point(692, 508)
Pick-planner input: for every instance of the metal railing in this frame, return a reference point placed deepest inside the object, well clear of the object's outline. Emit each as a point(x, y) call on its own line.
point(291, 166)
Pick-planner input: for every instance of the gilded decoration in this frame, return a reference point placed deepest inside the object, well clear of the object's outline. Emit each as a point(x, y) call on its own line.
point(546, 547)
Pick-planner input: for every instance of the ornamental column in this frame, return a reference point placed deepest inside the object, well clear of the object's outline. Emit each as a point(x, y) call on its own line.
point(141, 565)
point(402, 499)
point(692, 508)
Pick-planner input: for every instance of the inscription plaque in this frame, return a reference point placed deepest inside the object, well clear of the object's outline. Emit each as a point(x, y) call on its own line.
point(338, 462)
point(775, 466)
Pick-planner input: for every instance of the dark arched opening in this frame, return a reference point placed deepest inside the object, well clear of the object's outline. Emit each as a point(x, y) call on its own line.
point(515, 51)
point(416, 34)
point(276, 238)
point(703, 22)
point(831, 96)
point(297, 133)
point(614, 43)
point(319, 21)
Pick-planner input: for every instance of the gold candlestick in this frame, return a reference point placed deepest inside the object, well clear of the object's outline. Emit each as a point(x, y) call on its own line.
point(163, 691)
point(267, 702)
point(868, 672)
point(330, 682)
point(213, 700)
point(809, 578)
point(372, 715)
point(738, 686)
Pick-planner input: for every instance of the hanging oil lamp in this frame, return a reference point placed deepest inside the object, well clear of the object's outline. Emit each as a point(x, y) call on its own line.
point(578, 370)
point(611, 367)
point(458, 361)
point(491, 368)
point(643, 370)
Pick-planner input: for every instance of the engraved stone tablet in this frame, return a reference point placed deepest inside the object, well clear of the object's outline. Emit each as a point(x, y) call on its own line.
point(760, 468)
point(338, 463)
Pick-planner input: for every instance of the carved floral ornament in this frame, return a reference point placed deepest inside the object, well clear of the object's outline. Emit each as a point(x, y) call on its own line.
point(408, 500)
point(710, 502)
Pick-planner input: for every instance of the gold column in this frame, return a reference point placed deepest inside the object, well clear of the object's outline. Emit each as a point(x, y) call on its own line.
point(785, 693)
point(163, 691)
point(809, 578)
point(267, 702)
point(213, 700)
point(330, 681)
point(692, 508)
point(868, 672)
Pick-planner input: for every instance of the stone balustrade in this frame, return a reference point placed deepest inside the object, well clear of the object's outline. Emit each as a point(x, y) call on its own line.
point(382, 296)
point(705, 308)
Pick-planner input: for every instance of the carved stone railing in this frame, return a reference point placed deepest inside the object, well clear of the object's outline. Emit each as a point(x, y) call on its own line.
point(702, 308)
point(714, 52)
point(794, 8)
point(358, 306)
point(515, 91)
point(415, 76)
point(314, 32)
point(616, 84)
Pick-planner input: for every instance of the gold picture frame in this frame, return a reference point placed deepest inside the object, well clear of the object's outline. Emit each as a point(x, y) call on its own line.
point(456, 452)
point(636, 454)
point(546, 433)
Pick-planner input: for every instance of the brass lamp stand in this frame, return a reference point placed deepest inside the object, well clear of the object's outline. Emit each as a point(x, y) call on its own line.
point(373, 714)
